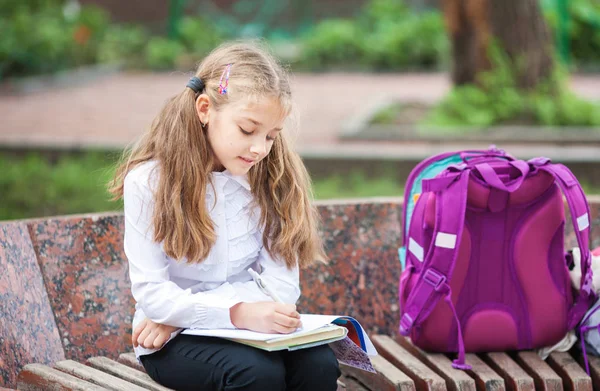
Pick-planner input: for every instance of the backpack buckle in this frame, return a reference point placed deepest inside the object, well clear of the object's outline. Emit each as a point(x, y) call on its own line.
point(436, 282)
point(435, 279)
point(406, 323)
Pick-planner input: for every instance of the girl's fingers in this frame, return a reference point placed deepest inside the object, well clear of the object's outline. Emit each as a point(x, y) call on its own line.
point(143, 335)
point(277, 328)
point(136, 332)
point(286, 321)
point(161, 339)
point(150, 339)
point(288, 310)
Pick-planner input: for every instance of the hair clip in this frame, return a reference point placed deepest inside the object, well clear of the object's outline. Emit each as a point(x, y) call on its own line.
point(223, 88)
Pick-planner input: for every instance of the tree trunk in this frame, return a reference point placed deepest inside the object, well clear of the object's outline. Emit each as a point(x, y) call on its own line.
point(519, 28)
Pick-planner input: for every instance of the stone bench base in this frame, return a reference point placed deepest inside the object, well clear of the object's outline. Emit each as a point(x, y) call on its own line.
point(400, 366)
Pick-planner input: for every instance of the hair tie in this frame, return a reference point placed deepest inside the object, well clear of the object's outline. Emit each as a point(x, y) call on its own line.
point(195, 84)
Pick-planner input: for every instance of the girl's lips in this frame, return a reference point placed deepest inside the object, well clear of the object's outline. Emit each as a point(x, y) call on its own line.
point(247, 161)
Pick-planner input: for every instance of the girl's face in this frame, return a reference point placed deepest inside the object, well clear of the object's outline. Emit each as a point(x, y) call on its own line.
point(242, 133)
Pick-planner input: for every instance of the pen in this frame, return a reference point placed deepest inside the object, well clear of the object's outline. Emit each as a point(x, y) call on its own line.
point(263, 287)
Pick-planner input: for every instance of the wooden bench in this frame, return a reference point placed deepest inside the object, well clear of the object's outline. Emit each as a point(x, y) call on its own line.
point(66, 308)
point(400, 366)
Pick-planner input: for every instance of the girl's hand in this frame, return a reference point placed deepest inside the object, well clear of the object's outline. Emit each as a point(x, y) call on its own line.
point(265, 317)
point(151, 335)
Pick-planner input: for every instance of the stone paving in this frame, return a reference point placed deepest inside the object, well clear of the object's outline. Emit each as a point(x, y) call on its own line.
point(113, 110)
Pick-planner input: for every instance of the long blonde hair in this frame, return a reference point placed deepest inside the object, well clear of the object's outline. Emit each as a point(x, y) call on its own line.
point(280, 183)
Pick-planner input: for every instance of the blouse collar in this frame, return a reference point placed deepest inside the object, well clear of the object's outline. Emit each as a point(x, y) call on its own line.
point(241, 179)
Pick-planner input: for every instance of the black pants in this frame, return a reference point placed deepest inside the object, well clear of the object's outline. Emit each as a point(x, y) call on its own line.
point(203, 363)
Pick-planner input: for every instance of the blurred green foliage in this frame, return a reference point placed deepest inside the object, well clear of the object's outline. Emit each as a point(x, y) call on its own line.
point(36, 186)
point(47, 36)
point(387, 115)
point(357, 185)
point(497, 100)
point(419, 41)
point(162, 53)
point(333, 42)
point(125, 45)
point(198, 35)
point(134, 47)
point(583, 29)
point(387, 35)
point(33, 186)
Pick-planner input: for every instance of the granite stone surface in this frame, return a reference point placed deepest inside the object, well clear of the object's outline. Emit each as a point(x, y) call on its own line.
point(361, 279)
point(86, 277)
point(28, 333)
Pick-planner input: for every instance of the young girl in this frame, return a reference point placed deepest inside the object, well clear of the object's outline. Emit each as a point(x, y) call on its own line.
point(211, 190)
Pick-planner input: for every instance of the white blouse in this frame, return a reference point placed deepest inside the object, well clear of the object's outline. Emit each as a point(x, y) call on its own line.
point(199, 295)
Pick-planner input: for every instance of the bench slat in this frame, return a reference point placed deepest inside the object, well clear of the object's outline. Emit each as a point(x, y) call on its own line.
point(130, 360)
point(574, 377)
point(351, 384)
point(515, 378)
point(388, 377)
point(39, 377)
point(544, 378)
point(126, 373)
point(422, 375)
point(393, 374)
point(594, 363)
point(95, 376)
point(485, 377)
point(456, 380)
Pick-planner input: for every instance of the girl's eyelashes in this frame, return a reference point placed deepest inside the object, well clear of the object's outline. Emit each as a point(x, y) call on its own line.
point(269, 138)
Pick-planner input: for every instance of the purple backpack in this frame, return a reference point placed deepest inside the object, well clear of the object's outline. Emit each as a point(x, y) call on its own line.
point(485, 232)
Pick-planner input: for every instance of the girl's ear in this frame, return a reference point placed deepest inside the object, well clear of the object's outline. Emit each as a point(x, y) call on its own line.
point(202, 108)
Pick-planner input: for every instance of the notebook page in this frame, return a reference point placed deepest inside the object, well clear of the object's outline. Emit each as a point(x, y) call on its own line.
point(309, 322)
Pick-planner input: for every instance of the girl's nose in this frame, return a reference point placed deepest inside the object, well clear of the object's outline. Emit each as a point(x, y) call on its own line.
point(258, 147)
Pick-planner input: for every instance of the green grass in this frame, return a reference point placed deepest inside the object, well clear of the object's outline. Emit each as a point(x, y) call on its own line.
point(356, 185)
point(387, 115)
point(33, 186)
point(498, 99)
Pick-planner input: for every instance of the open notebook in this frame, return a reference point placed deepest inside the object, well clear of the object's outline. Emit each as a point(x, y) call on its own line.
point(299, 339)
point(345, 335)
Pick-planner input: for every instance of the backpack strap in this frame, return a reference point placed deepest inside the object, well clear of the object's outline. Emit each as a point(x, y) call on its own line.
point(583, 328)
point(580, 217)
point(451, 200)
